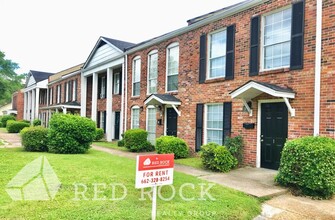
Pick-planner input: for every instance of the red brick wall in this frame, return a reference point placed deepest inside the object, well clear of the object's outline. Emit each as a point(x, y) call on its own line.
point(89, 96)
point(18, 104)
point(217, 91)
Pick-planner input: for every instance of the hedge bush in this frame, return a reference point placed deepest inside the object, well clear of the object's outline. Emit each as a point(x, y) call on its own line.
point(37, 122)
point(120, 143)
point(70, 134)
point(6, 118)
point(308, 164)
point(171, 144)
point(34, 138)
point(235, 147)
point(217, 158)
point(136, 140)
point(15, 126)
point(99, 134)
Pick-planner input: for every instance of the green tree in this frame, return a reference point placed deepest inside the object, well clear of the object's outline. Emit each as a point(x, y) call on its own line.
point(9, 80)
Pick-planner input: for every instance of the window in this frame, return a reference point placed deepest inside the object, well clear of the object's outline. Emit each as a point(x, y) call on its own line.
point(136, 76)
point(50, 96)
point(217, 54)
point(172, 67)
point(67, 91)
point(116, 82)
point(277, 39)
point(151, 124)
point(214, 123)
point(58, 97)
point(103, 87)
point(74, 90)
point(102, 120)
point(135, 117)
point(152, 72)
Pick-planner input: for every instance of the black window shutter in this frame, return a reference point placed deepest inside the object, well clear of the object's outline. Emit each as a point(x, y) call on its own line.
point(98, 119)
point(65, 95)
point(203, 59)
point(120, 83)
point(230, 46)
point(227, 108)
point(104, 121)
point(105, 84)
point(60, 93)
point(297, 36)
point(70, 90)
point(75, 90)
point(254, 46)
point(99, 87)
point(199, 126)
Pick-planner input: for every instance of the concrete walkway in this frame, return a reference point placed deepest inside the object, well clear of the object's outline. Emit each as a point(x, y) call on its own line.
point(253, 181)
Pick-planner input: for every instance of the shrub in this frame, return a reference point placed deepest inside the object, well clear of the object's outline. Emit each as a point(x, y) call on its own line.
point(136, 140)
point(217, 158)
point(70, 134)
point(5, 118)
point(37, 122)
point(15, 126)
point(171, 144)
point(308, 164)
point(34, 138)
point(99, 134)
point(235, 147)
point(120, 143)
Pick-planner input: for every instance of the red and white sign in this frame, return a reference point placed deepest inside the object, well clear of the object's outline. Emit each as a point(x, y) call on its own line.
point(154, 170)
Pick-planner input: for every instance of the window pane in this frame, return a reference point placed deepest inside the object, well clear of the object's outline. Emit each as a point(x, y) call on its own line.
point(214, 123)
point(153, 73)
point(173, 60)
point(218, 44)
point(136, 89)
point(135, 118)
point(151, 125)
point(173, 83)
point(217, 67)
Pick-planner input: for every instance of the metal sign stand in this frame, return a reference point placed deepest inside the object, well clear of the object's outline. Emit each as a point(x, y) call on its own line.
point(154, 202)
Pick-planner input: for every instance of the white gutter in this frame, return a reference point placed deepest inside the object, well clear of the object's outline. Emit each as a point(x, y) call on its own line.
point(125, 92)
point(318, 43)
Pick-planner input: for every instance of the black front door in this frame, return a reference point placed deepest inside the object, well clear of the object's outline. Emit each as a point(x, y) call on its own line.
point(117, 126)
point(171, 122)
point(274, 125)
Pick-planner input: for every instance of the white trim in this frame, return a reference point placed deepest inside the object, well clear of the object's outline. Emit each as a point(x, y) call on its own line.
point(262, 68)
point(205, 119)
point(170, 46)
point(124, 97)
point(318, 56)
point(209, 37)
point(258, 150)
point(165, 119)
point(148, 70)
point(262, 89)
point(160, 101)
point(133, 76)
point(177, 111)
point(247, 107)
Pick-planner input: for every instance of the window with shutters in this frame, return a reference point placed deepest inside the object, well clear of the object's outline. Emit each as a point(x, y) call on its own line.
point(136, 76)
point(151, 124)
point(214, 123)
point(217, 54)
point(172, 67)
point(116, 83)
point(135, 117)
point(152, 71)
point(276, 39)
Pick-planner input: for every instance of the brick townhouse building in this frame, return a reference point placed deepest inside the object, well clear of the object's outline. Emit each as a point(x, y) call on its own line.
point(17, 104)
point(254, 69)
point(63, 94)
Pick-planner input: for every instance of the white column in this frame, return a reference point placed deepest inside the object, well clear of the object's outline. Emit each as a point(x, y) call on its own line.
point(123, 100)
point(33, 101)
point(37, 103)
point(29, 106)
point(64, 110)
point(25, 95)
point(94, 97)
point(83, 95)
point(109, 106)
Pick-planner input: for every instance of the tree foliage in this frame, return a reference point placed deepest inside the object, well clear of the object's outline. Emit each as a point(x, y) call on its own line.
point(9, 80)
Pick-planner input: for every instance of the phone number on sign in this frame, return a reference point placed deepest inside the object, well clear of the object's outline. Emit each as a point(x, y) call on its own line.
point(155, 180)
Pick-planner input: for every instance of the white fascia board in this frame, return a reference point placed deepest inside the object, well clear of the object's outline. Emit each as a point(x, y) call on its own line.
point(198, 24)
point(115, 61)
point(161, 101)
point(264, 89)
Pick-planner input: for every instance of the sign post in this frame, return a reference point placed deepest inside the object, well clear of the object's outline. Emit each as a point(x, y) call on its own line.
point(152, 171)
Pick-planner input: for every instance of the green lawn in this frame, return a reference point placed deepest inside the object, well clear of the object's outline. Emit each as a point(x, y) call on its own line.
point(103, 168)
point(3, 130)
point(191, 161)
point(112, 145)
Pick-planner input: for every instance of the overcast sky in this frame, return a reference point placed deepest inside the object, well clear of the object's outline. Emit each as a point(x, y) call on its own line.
point(53, 35)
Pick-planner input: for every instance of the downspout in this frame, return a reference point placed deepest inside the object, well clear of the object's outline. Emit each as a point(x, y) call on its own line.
point(318, 45)
point(125, 92)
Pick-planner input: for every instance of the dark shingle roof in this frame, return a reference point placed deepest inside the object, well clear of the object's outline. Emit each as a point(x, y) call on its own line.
point(166, 97)
point(40, 76)
point(122, 45)
point(274, 87)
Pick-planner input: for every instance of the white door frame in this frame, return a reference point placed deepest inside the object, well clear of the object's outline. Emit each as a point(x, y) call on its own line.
point(259, 114)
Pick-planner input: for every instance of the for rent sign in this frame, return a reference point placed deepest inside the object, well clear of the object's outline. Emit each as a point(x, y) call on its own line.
point(154, 170)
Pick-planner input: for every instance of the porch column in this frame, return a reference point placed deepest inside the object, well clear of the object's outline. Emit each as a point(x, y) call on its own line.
point(25, 101)
point(94, 97)
point(33, 101)
point(109, 106)
point(123, 100)
point(37, 103)
point(64, 110)
point(83, 95)
point(29, 106)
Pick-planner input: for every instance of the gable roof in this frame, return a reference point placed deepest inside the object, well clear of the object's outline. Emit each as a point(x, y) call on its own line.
point(40, 76)
point(122, 45)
